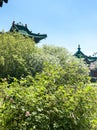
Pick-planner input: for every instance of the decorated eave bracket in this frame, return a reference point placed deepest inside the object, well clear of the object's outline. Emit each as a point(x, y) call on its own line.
point(1, 2)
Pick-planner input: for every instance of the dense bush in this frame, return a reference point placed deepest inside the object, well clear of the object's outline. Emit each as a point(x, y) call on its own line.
point(45, 102)
point(19, 57)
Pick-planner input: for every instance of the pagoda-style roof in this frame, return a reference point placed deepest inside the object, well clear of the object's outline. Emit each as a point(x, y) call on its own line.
point(1, 2)
point(79, 53)
point(87, 59)
point(26, 32)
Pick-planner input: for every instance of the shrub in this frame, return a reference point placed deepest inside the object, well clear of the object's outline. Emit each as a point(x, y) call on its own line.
point(45, 102)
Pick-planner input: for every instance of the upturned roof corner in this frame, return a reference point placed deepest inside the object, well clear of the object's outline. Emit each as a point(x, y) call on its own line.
point(1, 2)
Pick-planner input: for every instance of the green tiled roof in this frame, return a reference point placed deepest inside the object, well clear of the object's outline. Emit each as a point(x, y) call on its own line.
point(26, 32)
point(88, 59)
point(79, 53)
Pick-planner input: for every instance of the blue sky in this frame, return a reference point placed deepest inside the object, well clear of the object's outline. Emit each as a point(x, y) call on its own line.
point(66, 22)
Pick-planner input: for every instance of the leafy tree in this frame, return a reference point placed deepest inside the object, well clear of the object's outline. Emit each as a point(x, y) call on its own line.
point(14, 50)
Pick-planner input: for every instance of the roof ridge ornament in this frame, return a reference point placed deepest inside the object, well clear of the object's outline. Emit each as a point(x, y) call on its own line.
point(20, 24)
point(79, 47)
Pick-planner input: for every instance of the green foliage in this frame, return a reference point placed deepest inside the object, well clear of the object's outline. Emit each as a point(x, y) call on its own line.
point(51, 91)
point(46, 102)
point(14, 50)
point(19, 57)
point(75, 69)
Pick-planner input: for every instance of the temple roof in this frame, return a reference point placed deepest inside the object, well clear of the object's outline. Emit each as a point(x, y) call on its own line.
point(26, 32)
point(79, 53)
point(1, 2)
point(87, 59)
